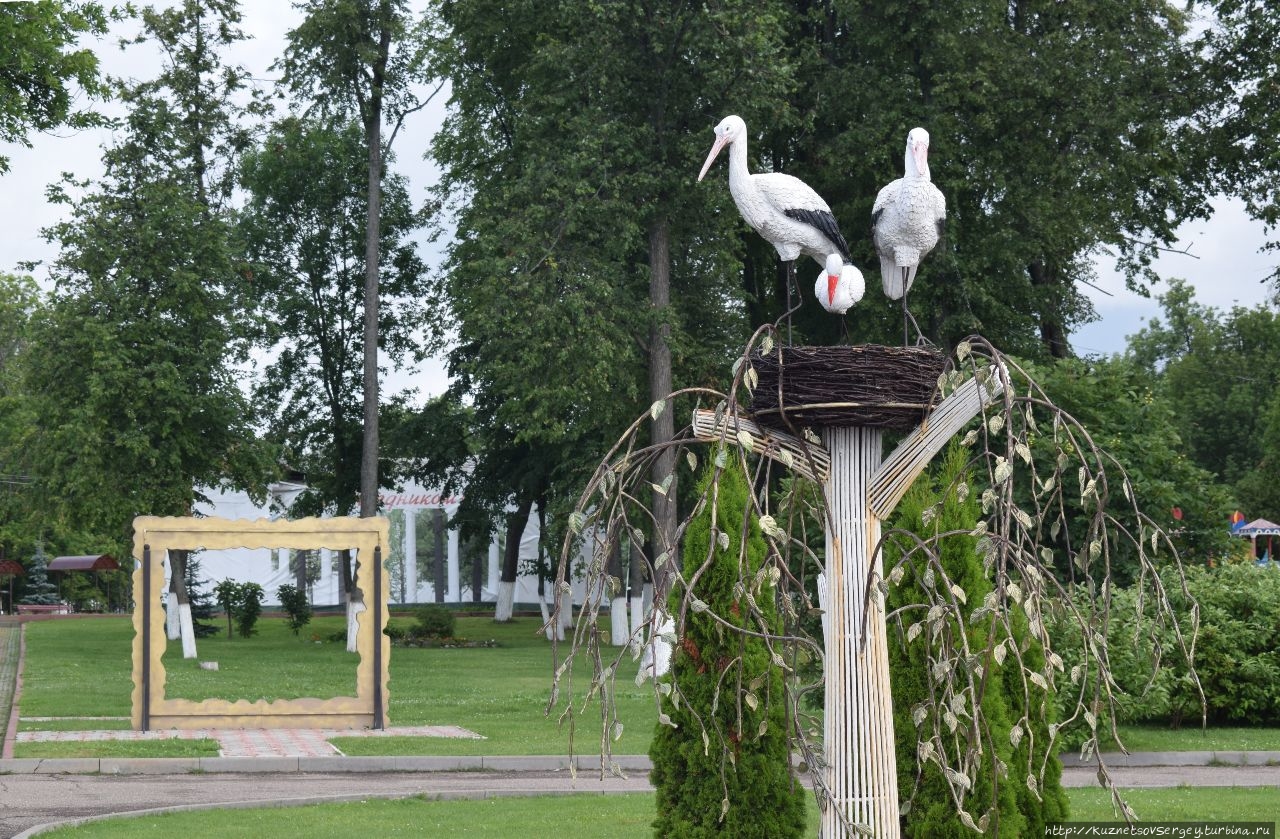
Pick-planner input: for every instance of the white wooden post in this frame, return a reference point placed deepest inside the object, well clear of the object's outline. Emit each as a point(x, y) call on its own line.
point(862, 770)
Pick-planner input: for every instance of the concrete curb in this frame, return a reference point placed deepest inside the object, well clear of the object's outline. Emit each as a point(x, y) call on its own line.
point(501, 763)
point(443, 795)
point(1143, 759)
point(402, 763)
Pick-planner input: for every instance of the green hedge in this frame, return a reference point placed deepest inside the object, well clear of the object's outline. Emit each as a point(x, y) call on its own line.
point(1237, 651)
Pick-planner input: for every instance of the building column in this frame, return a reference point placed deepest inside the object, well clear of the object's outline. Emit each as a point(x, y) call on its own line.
point(455, 584)
point(411, 554)
point(495, 565)
point(325, 586)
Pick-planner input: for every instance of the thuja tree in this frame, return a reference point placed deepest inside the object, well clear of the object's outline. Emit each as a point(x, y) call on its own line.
point(721, 762)
point(1055, 512)
point(931, 508)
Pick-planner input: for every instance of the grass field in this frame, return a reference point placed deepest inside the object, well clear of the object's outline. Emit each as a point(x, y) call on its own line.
point(499, 692)
point(614, 816)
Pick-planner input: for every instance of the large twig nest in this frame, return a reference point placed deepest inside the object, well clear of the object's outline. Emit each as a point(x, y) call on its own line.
point(873, 386)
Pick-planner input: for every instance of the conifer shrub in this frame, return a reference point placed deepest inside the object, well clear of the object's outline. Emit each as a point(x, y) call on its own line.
point(721, 767)
point(931, 812)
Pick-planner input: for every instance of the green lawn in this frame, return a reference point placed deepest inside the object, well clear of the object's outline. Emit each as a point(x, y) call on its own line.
point(1194, 739)
point(119, 748)
point(615, 816)
point(498, 692)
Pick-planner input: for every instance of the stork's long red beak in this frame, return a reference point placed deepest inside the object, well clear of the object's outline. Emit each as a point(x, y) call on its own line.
point(832, 279)
point(720, 141)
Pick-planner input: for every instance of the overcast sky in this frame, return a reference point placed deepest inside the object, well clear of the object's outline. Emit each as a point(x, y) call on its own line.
point(1225, 265)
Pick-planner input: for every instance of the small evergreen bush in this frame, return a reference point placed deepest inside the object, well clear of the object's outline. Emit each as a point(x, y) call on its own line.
point(1017, 812)
point(722, 768)
point(434, 622)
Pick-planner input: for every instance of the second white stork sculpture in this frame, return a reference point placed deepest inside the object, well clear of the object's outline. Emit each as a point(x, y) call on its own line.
point(781, 208)
point(906, 223)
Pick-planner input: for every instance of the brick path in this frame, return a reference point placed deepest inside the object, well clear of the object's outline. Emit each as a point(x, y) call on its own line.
point(273, 742)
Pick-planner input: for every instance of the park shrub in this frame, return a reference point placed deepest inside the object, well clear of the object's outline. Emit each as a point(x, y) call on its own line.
point(1237, 650)
point(434, 622)
point(242, 603)
point(722, 767)
point(1015, 810)
point(295, 604)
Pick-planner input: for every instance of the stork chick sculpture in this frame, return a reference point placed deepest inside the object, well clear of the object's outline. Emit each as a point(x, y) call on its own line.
point(838, 288)
point(906, 223)
point(785, 211)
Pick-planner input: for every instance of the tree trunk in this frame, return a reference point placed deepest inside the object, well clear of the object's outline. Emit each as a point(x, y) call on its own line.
point(1052, 333)
point(663, 428)
point(373, 138)
point(635, 588)
point(516, 523)
point(355, 599)
point(477, 576)
point(180, 604)
point(437, 532)
point(619, 628)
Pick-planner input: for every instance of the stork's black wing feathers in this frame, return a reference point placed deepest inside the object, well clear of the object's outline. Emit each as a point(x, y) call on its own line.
point(825, 223)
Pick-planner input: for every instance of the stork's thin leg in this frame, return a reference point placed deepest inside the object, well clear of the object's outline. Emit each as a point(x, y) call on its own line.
point(791, 290)
point(906, 314)
point(844, 328)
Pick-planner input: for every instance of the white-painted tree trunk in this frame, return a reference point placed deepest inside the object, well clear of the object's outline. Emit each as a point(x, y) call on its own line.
point(506, 601)
point(172, 626)
point(188, 630)
point(861, 773)
point(354, 608)
point(551, 623)
point(565, 611)
point(619, 628)
point(637, 617)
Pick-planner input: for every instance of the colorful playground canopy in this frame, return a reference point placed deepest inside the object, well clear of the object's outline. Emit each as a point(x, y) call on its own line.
point(10, 568)
point(1258, 527)
point(98, 562)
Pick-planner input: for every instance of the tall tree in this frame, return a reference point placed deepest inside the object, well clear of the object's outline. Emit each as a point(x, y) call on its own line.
point(617, 267)
point(1219, 370)
point(131, 364)
point(367, 59)
point(1056, 129)
point(44, 67)
point(303, 228)
point(1242, 45)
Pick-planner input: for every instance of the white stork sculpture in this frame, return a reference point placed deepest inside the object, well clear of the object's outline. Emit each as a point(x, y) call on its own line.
point(906, 223)
point(781, 208)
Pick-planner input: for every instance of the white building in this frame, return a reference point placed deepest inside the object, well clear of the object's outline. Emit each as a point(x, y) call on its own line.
point(415, 514)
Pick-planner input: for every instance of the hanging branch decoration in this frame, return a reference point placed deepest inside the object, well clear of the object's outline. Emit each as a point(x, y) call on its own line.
point(1056, 513)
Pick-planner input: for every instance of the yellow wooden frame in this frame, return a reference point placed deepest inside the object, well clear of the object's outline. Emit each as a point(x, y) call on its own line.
point(153, 535)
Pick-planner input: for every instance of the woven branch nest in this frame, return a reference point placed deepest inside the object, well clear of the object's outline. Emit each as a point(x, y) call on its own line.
point(870, 385)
